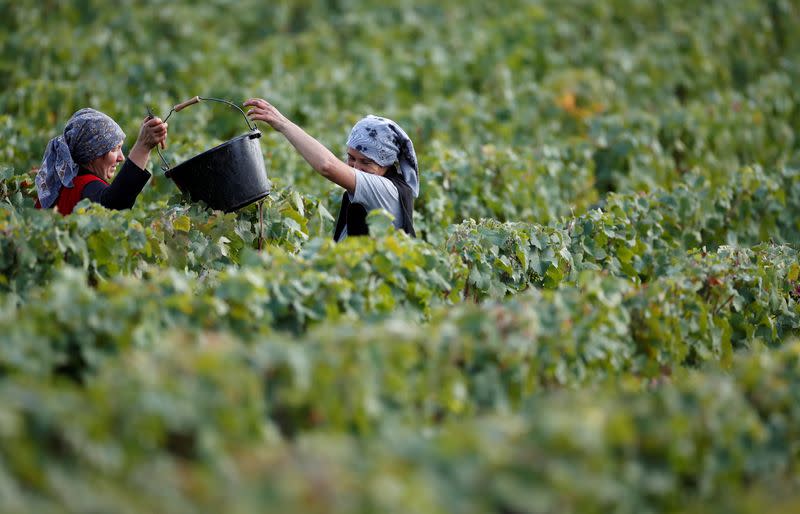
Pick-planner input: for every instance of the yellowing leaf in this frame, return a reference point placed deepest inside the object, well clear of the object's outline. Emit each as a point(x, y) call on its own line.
point(567, 101)
point(182, 223)
point(794, 272)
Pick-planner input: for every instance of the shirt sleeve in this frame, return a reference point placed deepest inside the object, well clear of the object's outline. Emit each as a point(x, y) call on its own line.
point(122, 192)
point(376, 192)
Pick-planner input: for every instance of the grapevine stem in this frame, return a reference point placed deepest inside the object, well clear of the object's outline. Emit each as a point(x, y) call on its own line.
point(260, 224)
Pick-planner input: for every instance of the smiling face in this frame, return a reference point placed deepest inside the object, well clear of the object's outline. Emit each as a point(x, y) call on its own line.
point(105, 165)
point(361, 162)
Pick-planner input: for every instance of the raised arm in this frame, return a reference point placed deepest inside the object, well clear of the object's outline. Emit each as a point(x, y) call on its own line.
point(152, 133)
point(320, 158)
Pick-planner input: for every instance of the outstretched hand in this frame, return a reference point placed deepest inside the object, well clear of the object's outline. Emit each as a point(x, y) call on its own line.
point(314, 152)
point(261, 110)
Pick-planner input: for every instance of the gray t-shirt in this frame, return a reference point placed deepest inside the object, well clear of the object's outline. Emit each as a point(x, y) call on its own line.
point(375, 192)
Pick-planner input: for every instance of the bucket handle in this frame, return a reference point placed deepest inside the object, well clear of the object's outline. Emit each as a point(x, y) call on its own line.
point(196, 99)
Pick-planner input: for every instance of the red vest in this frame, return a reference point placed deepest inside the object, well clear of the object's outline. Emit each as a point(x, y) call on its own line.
point(68, 197)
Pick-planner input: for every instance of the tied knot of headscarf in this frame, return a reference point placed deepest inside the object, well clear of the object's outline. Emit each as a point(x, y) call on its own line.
point(383, 141)
point(89, 134)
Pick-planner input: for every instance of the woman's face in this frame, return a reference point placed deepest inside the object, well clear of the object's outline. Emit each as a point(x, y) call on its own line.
point(105, 165)
point(361, 162)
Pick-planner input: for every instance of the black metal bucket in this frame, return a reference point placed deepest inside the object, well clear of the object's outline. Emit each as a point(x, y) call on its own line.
point(227, 177)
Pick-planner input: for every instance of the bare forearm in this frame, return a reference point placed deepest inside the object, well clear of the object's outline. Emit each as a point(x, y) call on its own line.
point(139, 155)
point(314, 152)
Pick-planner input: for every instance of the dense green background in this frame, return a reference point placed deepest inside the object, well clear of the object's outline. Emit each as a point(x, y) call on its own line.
point(597, 316)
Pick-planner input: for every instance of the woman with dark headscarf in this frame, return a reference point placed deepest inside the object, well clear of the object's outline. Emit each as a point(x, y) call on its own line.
point(81, 162)
point(381, 170)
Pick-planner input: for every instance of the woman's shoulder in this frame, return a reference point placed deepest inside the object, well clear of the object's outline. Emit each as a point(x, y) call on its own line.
point(376, 181)
point(374, 190)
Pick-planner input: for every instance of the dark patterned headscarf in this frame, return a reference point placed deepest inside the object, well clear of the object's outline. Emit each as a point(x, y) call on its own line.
point(383, 141)
point(88, 135)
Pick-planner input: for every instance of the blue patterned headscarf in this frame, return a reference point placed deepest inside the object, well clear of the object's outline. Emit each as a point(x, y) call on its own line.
point(88, 135)
point(383, 141)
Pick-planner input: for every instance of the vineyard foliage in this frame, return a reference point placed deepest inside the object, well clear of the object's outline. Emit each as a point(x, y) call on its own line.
point(600, 312)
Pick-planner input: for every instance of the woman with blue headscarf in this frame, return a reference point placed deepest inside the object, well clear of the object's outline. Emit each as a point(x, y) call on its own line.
point(81, 162)
point(381, 170)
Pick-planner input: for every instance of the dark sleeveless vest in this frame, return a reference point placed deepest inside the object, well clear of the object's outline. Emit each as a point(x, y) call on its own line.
point(354, 215)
